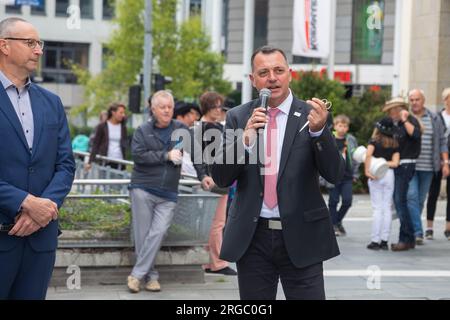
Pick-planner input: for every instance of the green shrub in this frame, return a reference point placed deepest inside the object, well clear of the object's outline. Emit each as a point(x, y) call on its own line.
point(363, 111)
point(95, 215)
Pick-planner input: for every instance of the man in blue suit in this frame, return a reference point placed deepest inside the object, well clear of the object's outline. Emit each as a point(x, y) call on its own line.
point(36, 166)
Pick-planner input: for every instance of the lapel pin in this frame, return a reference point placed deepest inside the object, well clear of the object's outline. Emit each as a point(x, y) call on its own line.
point(297, 114)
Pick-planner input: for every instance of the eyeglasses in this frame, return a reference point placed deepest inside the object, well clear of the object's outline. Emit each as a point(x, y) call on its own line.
point(31, 43)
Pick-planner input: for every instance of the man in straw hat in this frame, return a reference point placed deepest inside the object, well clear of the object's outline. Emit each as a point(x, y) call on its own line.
point(408, 134)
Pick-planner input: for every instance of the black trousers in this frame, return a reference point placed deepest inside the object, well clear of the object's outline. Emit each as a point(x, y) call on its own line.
point(266, 262)
point(433, 196)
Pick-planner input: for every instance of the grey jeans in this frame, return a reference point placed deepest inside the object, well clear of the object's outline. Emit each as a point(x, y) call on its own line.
point(152, 216)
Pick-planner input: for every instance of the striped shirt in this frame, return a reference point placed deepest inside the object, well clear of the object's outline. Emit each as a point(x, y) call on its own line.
point(425, 160)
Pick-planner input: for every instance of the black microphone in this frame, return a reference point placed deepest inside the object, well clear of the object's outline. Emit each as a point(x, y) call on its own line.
point(264, 96)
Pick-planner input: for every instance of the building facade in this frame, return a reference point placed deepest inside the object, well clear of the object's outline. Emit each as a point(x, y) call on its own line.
point(420, 57)
point(74, 33)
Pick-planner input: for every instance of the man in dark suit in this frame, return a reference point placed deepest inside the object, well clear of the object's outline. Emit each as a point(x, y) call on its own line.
point(36, 166)
point(278, 225)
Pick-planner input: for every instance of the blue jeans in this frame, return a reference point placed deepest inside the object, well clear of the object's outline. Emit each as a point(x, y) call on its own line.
point(403, 175)
point(342, 189)
point(417, 193)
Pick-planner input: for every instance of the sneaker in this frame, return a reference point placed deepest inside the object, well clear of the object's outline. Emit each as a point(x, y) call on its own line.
point(337, 232)
point(373, 246)
point(153, 286)
point(133, 284)
point(429, 234)
point(227, 271)
point(341, 229)
point(447, 234)
point(384, 245)
point(419, 241)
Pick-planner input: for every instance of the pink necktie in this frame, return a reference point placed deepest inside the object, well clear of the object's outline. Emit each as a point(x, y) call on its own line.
point(271, 170)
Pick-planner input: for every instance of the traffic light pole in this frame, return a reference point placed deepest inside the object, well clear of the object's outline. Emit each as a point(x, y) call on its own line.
point(148, 58)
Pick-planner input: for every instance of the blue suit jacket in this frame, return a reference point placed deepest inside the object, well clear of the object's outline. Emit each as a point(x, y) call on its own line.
point(47, 172)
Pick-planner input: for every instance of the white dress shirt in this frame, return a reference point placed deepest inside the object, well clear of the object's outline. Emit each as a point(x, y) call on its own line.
point(281, 118)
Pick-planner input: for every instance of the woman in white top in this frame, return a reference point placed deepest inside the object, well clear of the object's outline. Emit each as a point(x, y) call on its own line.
point(111, 137)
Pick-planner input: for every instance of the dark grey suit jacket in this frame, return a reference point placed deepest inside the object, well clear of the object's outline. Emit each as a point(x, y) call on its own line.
point(307, 227)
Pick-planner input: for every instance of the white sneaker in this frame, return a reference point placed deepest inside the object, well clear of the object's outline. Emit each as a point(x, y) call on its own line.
point(134, 284)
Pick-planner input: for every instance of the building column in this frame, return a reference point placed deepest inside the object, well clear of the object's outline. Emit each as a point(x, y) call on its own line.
point(249, 31)
point(430, 49)
point(182, 13)
point(212, 22)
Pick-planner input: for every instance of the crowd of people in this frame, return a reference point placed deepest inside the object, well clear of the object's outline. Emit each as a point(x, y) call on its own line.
point(414, 142)
point(411, 139)
point(271, 218)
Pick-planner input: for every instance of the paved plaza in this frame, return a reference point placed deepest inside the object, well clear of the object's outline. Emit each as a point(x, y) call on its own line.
point(358, 273)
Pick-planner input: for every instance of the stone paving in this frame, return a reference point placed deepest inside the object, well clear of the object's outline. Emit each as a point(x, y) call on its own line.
point(423, 273)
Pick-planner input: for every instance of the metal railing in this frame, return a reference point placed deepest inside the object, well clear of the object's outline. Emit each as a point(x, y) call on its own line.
point(190, 226)
point(111, 226)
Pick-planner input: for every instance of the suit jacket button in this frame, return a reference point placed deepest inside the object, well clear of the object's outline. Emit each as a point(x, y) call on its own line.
point(255, 219)
point(319, 146)
point(31, 170)
point(261, 194)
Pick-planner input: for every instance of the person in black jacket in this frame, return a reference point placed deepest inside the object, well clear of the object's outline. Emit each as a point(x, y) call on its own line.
point(408, 134)
point(211, 104)
point(278, 227)
point(110, 137)
point(435, 187)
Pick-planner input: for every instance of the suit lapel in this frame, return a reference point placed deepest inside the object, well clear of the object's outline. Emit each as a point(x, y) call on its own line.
point(259, 146)
point(38, 118)
point(296, 119)
point(8, 110)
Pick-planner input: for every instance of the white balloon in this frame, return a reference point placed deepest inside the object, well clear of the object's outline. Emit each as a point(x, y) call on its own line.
point(378, 166)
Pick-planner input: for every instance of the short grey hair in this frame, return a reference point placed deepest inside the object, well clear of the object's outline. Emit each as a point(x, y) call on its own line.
point(418, 90)
point(162, 94)
point(6, 26)
point(445, 93)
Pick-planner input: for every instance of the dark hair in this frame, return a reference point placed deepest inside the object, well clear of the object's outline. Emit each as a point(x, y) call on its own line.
point(384, 133)
point(182, 108)
point(208, 101)
point(113, 108)
point(268, 50)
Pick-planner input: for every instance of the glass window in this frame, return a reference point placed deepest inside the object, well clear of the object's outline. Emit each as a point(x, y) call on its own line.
point(61, 8)
point(195, 7)
point(50, 57)
point(305, 60)
point(57, 58)
point(225, 29)
point(105, 53)
point(39, 10)
point(108, 9)
point(87, 9)
point(261, 23)
point(13, 8)
point(367, 31)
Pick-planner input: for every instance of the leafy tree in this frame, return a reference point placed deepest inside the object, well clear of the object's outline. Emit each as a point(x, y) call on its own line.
point(363, 111)
point(181, 52)
point(311, 84)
